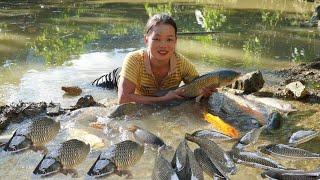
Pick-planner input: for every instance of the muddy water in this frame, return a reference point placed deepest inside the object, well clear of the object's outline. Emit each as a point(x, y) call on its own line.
point(46, 46)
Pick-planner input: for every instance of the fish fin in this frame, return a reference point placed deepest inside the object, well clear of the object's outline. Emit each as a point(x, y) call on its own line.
point(39, 148)
point(198, 98)
point(70, 171)
point(124, 172)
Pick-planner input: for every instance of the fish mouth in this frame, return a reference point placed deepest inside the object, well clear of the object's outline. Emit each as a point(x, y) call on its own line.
point(47, 167)
point(101, 168)
point(17, 143)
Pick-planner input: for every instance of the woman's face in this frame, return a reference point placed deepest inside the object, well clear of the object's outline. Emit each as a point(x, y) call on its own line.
point(161, 42)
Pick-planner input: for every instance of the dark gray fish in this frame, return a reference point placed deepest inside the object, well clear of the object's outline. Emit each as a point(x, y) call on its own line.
point(195, 172)
point(146, 137)
point(218, 156)
point(65, 156)
point(300, 137)
point(33, 134)
point(180, 160)
point(287, 151)
point(185, 163)
point(249, 138)
point(162, 170)
point(254, 160)
point(291, 174)
point(212, 135)
point(205, 163)
point(117, 158)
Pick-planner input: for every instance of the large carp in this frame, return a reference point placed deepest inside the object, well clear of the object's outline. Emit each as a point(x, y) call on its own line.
point(116, 159)
point(193, 89)
point(63, 157)
point(212, 79)
point(33, 135)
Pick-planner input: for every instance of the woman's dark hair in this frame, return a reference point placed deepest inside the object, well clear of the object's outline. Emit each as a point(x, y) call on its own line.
point(160, 19)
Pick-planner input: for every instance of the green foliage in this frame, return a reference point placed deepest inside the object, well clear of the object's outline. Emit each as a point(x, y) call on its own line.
point(213, 18)
point(57, 46)
point(159, 8)
point(298, 55)
point(253, 49)
point(271, 18)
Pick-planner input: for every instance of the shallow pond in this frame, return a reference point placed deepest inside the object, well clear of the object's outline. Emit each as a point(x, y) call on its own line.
point(44, 46)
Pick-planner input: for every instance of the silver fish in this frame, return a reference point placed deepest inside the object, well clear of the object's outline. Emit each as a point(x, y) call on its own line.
point(162, 170)
point(300, 137)
point(146, 137)
point(65, 156)
point(277, 104)
point(249, 138)
point(211, 134)
point(207, 166)
point(116, 159)
point(33, 135)
point(291, 174)
point(254, 160)
point(218, 156)
point(287, 151)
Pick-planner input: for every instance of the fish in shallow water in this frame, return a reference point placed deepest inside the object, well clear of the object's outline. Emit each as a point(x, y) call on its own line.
point(254, 160)
point(217, 155)
point(287, 151)
point(207, 166)
point(300, 137)
point(281, 174)
point(146, 137)
point(221, 126)
point(63, 158)
point(212, 135)
point(33, 135)
point(116, 159)
point(185, 164)
point(163, 170)
point(213, 79)
point(249, 138)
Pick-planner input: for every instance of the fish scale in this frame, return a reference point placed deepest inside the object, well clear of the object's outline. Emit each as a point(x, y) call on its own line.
point(216, 78)
point(42, 130)
point(70, 153)
point(254, 160)
point(288, 151)
point(215, 153)
point(127, 153)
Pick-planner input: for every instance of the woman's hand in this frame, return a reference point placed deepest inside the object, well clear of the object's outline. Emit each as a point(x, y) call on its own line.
point(174, 94)
point(207, 91)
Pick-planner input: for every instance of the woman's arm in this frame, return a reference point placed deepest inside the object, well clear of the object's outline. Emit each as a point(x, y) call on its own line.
point(126, 90)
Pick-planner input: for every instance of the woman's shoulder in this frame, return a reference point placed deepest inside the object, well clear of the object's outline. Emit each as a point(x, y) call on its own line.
point(136, 54)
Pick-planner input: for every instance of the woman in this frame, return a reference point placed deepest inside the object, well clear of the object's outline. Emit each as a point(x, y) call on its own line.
point(156, 68)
